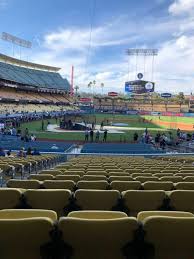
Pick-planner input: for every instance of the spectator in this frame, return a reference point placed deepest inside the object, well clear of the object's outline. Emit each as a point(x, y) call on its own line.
point(86, 135)
point(14, 132)
point(29, 152)
point(9, 154)
point(91, 135)
point(135, 137)
point(105, 135)
point(2, 152)
point(33, 137)
point(102, 125)
point(97, 136)
point(21, 153)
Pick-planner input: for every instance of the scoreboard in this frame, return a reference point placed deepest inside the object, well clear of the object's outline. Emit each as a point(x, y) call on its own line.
point(139, 87)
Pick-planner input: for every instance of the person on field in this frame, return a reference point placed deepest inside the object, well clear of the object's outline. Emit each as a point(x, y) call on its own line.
point(86, 135)
point(91, 135)
point(97, 136)
point(105, 135)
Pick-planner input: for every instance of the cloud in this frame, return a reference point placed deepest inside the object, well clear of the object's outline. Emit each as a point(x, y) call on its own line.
point(180, 7)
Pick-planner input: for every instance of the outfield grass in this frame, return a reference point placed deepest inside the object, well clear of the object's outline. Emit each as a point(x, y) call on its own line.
point(171, 119)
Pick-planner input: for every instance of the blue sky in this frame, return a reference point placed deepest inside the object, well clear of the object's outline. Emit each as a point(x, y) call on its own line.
point(60, 31)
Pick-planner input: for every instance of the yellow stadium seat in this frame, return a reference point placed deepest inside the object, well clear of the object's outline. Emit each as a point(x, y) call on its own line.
point(177, 239)
point(184, 186)
point(97, 238)
point(41, 177)
point(33, 233)
point(136, 201)
point(27, 213)
point(125, 185)
point(182, 200)
point(59, 184)
point(146, 214)
point(97, 199)
point(99, 185)
point(24, 184)
point(48, 199)
point(10, 198)
point(151, 185)
point(74, 178)
point(96, 214)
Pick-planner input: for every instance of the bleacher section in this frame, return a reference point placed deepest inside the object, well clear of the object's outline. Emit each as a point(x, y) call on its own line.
point(33, 77)
point(119, 148)
point(112, 207)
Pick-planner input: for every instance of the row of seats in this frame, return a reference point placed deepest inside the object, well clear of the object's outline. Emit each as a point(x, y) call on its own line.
point(96, 235)
point(62, 183)
point(112, 177)
point(62, 201)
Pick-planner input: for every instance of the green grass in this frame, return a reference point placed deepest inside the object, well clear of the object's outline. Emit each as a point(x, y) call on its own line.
point(171, 119)
point(36, 128)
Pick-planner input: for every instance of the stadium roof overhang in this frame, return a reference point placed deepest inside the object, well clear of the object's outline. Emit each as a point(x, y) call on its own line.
point(22, 63)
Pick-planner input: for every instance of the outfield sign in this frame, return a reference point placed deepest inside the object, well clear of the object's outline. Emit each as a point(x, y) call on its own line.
point(85, 100)
point(139, 87)
point(113, 94)
point(166, 95)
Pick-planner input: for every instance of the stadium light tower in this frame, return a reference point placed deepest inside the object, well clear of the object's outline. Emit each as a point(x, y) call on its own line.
point(143, 53)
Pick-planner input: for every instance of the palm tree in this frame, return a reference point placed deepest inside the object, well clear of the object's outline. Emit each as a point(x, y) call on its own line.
point(76, 89)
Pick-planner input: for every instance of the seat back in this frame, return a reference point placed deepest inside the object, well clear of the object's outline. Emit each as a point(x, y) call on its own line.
point(98, 185)
point(125, 185)
point(97, 238)
point(136, 201)
point(48, 199)
point(97, 199)
point(24, 184)
point(177, 239)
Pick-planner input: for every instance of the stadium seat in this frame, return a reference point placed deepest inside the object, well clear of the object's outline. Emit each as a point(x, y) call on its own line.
point(184, 186)
point(96, 214)
point(174, 179)
point(32, 233)
point(74, 178)
point(10, 198)
point(98, 185)
point(41, 177)
point(93, 178)
point(59, 184)
point(52, 172)
point(141, 174)
point(48, 199)
point(188, 179)
point(143, 179)
point(27, 213)
point(159, 175)
point(118, 174)
point(177, 239)
point(151, 185)
point(182, 200)
point(120, 178)
point(97, 238)
point(97, 199)
point(24, 184)
point(146, 214)
point(125, 185)
point(136, 201)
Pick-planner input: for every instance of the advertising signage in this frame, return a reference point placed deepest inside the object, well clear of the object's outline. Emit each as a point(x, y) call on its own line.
point(139, 87)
